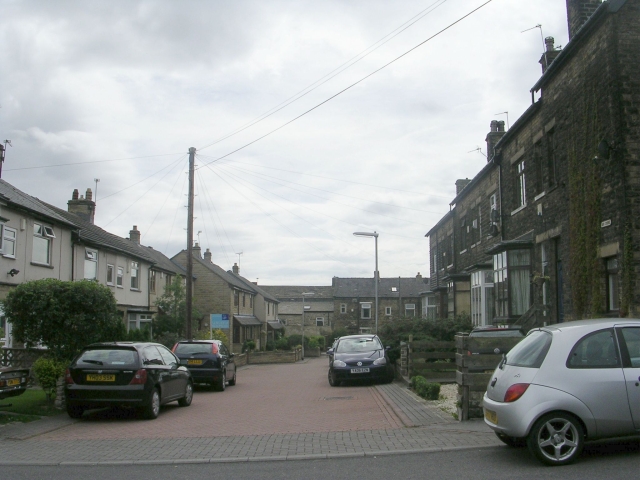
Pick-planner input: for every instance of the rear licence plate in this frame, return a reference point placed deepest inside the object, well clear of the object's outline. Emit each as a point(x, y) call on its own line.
point(101, 378)
point(359, 370)
point(13, 381)
point(194, 362)
point(491, 416)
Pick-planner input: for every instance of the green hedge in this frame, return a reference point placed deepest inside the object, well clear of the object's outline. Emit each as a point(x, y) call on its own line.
point(427, 390)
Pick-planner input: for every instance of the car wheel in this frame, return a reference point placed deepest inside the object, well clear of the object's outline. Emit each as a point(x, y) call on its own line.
point(512, 441)
point(188, 396)
point(332, 379)
point(556, 439)
point(75, 412)
point(232, 382)
point(222, 383)
point(152, 409)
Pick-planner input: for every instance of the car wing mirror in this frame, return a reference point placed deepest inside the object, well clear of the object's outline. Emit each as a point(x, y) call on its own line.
point(330, 351)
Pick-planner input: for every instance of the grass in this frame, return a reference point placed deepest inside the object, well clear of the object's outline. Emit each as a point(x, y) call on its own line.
point(29, 406)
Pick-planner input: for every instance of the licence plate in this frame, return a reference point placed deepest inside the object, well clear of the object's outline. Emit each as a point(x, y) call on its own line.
point(359, 370)
point(101, 378)
point(13, 381)
point(491, 416)
point(194, 362)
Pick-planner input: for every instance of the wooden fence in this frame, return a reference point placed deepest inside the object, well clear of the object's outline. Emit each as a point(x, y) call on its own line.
point(434, 361)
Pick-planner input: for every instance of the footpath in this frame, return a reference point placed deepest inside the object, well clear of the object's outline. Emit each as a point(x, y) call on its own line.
point(275, 413)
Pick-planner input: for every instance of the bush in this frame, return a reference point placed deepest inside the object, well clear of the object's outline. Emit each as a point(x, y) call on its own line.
point(271, 346)
point(282, 343)
point(313, 343)
point(248, 346)
point(47, 372)
point(427, 390)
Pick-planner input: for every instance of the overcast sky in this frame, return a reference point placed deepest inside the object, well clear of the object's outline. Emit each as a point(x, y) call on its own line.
point(119, 91)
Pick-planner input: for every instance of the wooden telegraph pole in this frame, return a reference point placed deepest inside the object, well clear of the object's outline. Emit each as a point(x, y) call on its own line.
point(192, 154)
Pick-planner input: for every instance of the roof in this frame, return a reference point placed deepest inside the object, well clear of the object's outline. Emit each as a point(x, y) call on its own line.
point(275, 325)
point(19, 199)
point(295, 307)
point(469, 186)
point(365, 287)
point(247, 320)
point(220, 272)
point(254, 287)
point(162, 262)
point(293, 292)
point(446, 217)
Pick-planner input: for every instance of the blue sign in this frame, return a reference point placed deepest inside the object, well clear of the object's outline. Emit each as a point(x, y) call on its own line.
point(219, 321)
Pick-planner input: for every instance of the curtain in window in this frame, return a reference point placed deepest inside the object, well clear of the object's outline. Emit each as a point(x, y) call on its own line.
point(519, 261)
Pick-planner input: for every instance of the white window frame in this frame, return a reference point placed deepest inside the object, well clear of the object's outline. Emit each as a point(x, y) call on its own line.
point(409, 307)
point(91, 260)
point(4, 240)
point(46, 233)
point(152, 281)
point(135, 274)
point(365, 306)
point(138, 320)
point(120, 277)
point(111, 269)
point(343, 308)
point(387, 311)
point(319, 321)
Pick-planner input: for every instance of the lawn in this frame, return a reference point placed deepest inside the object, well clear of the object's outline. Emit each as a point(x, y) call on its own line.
point(29, 406)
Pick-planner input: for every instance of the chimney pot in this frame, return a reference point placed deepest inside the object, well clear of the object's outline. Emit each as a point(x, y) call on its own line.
point(207, 255)
point(84, 208)
point(236, 269)
point(134, 235)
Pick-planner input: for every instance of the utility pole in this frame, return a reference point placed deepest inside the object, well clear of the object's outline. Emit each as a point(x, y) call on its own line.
point(3, 148)
point(192, 154)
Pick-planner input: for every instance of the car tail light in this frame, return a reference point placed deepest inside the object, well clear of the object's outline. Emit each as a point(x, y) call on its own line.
point(174, 348)
point(515, 391)
point(214, 348)
point(140, 377)
point(68, 379)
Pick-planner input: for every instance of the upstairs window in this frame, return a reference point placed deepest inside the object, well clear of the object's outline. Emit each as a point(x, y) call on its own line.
point(365, 310)
point(343, 308)
point(42, 238)
point(152, 281)
point(90, 264)
point(135, 271)
point(120, 277)
point(8, 245)
point(110, 274)
point(387, 311)
point(521, 186)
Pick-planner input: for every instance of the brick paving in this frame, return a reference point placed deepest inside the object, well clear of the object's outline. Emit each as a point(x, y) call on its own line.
point(275, 412)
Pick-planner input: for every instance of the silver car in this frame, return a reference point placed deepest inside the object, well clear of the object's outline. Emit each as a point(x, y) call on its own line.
point(566, 384)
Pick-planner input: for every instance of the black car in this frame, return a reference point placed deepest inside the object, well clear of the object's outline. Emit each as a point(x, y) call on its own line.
point(359, 357)
point(13, 381)
point(142, 375)
point(209, 361)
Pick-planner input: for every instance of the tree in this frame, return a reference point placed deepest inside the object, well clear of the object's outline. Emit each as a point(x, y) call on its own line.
point(169, 322)
point(63, 316)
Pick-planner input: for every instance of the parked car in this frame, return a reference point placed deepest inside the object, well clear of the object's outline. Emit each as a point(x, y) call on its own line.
point(13, 381)
point(566, 384)
point(484, 343)
point(359, 357)
point(142, 375)
point(209, 361)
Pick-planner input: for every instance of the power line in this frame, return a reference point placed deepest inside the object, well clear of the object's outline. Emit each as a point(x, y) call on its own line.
point(92, 162)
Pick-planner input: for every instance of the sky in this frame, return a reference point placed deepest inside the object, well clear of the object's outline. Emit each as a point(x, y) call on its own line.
point(311, 119)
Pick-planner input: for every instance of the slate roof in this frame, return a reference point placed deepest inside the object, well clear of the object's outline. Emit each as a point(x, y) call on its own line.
point(254, 287)
point(230, 279)
point(247, 320)
point(162, 262)
point(295, 307)
point(294, 292)
point(21, 200)
point(364, 287)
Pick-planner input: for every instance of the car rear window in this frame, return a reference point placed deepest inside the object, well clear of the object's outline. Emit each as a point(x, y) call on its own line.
point(108, 357)
point(497, 333)
point(191, 348)
point(531, 351)
point(355, 345)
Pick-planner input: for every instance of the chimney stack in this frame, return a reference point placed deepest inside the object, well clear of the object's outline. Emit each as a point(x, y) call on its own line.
point(493, 137)
point(549, 55)
point(461, 183)
point(84, 208)
point(236, 269)
point(207, 255)
point(578, 12)
point(195, 251)
point(134, 235)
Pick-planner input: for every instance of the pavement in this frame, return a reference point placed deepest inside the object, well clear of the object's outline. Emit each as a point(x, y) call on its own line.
point(275, 412)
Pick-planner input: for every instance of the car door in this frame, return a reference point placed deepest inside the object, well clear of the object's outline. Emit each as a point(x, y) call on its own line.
point(630, 344)
point(161, 373)
point(179, 375)
point(226, 361)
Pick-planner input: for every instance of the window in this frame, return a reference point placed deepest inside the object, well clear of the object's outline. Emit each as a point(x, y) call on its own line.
point(596, 350)
point(631, 337)
point(531, 351)
point(236, 298)
point(410, 310)
point(90, 264)
point(343, 308)
point(140, 321)
point(365, 310)
point(9, 241)
point(135, 283)
point(521, 186)
point(387, 311)
point(319, 321)
point(464, 230)
point(537, 164)
point(42, 236)
point(152, 281)
point(119, 278)
point(394, 289)
point(431, 308)
point(511, 270)
point(482, 297)
point(110, 274)
point(551, 158)
point(244, 299)
point(613, 304)
point(169, 280)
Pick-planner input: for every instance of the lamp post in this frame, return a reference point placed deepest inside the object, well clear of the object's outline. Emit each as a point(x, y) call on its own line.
point(375, 280)
point(304, 294)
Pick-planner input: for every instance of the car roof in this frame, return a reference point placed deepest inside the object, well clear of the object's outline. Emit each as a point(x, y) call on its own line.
point(592, 323)
point(201, 341)
point(122, 344)
point(368, 335)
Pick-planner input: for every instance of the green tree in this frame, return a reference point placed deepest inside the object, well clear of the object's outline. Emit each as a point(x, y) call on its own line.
point(63, 316)
point(169, 322)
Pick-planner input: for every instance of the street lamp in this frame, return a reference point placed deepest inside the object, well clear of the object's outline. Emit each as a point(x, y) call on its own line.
point(375, 280)
point(304, 294)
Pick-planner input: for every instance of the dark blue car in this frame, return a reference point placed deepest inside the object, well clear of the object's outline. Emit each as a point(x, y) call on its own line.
point(359, 357)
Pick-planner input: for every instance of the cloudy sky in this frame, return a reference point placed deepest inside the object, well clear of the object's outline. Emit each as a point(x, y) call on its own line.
point(306, 129)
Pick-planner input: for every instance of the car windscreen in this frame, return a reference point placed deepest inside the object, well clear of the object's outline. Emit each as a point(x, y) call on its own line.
point(108, 357)
point(497, 333)
point(531, 351)
point(357, 345)
point(193, 348)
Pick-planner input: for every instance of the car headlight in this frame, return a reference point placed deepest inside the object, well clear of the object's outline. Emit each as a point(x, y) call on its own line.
point(339, 363)
point(380, 361)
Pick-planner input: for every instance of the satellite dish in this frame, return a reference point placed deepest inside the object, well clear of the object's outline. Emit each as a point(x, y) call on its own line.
point(494, 230)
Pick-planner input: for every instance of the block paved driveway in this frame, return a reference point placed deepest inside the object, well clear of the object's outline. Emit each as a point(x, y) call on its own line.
point(275, 412)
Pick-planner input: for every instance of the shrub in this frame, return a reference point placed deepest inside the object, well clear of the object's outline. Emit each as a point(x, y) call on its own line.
point(47, 372)
point(248, 346)
point(427, 390)
point(271, 346)
point(313, 343)
point(282, 343)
